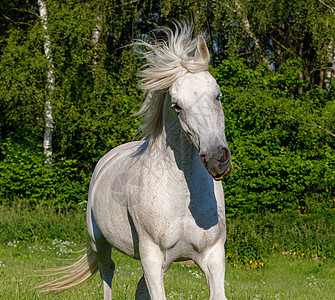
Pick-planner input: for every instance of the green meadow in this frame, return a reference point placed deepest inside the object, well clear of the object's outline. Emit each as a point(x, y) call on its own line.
point(281, 278)
point(261, 262)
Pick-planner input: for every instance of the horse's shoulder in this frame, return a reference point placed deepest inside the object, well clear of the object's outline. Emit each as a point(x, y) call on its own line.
point(116, 153)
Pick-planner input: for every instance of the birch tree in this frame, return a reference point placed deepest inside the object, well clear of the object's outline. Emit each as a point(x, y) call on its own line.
point(96, 35)
point(246, 25)
point(330, 70)
point(47, 142)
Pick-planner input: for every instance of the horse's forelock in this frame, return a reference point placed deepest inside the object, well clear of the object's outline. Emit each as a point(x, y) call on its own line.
point(166, 63)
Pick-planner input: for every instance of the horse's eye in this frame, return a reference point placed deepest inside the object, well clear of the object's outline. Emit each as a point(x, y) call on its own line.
point(176, 107)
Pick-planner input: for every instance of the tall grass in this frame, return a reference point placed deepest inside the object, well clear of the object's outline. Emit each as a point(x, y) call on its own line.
point(250, 240)
point(41, 225)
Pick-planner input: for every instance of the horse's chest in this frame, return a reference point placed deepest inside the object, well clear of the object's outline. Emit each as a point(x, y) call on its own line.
point(181, 221)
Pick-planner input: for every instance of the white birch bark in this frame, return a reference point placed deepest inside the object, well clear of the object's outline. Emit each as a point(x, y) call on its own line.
point(47, 142)
point(96, 35)
point(329, 73)
point(247, 28)
point(330, 70)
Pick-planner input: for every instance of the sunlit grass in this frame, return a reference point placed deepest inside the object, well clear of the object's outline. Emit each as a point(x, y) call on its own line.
point(282, 277)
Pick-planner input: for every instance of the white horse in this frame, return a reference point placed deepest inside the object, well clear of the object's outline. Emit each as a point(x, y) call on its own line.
point(161, 200)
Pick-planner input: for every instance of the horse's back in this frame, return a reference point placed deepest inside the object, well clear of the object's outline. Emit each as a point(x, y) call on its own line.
point(107, 202)
point(113, 155)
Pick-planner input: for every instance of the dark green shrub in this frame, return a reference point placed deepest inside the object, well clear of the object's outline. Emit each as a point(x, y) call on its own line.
point(25, 179)
point(281, 160)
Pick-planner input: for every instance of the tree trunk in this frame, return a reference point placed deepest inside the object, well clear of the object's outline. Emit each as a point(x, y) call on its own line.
point(47, 142)
point(247, 28)
point(330, 70)
point(96, 35)
point(301, 74)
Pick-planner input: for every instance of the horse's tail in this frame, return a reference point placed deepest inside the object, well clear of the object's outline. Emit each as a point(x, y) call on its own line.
point(75, 274)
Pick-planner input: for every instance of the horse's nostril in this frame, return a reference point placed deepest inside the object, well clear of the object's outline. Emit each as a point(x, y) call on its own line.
point(225, 154)
point(202, 157)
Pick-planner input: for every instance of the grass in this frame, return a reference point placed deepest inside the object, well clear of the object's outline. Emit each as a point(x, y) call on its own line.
point(282, 277)
point(271, 256)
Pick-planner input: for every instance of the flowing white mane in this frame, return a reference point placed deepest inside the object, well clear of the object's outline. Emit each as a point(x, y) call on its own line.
point(166, 63)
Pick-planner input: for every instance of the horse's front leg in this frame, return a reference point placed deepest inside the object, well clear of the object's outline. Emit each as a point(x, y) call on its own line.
point(212, 263)
point(153, 271)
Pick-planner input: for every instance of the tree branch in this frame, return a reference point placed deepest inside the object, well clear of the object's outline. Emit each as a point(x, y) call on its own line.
point(315, 125)
point(128, 3)
point(285, 48)
point(332, 9)
point(15, 22)
point(27, 11)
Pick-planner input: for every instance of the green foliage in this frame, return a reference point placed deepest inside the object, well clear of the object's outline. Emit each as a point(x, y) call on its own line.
point(23, 68)
point(280, 125)
point(41, 225)
point(94, 98)
point(250, 241)
point(282, 160)
point(282, 278)
point(94, 95)
point(25, 179)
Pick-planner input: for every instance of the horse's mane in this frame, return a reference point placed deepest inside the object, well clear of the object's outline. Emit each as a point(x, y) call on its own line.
point(166, 62)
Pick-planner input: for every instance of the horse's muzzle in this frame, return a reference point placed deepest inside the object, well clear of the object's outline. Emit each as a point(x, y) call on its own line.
point(219, 176)
point(218, 163)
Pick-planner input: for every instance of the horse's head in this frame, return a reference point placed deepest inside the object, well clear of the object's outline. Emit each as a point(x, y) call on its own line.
point(195, 98)
point(194, 95)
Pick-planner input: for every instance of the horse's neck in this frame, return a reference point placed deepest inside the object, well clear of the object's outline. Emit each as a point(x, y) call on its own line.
point(172, 144)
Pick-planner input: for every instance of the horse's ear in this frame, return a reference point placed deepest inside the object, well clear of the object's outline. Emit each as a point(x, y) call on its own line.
point(202, 53)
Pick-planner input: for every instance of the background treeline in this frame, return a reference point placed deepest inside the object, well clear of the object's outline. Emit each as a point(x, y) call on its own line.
point(274, 59)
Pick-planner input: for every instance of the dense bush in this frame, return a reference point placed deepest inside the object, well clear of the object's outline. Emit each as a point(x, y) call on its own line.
point(282, 160)
point(25, 179)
